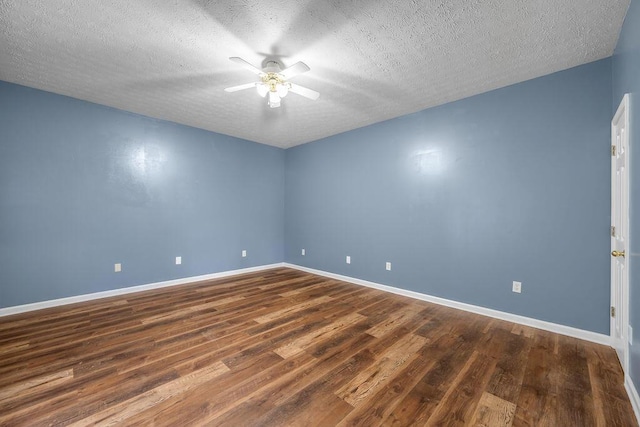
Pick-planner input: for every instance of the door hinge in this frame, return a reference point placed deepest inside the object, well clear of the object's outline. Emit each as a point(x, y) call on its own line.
point(613, 231)
point(613, 150)
point(613, 311)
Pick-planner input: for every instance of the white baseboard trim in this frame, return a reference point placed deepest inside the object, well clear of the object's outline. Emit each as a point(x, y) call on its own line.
point(633, 395)
point(527, 321)
point(129, 290)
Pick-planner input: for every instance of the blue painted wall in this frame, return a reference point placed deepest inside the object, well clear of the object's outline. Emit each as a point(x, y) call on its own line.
point(464, 198)
point(626, 79)
point(84, 186)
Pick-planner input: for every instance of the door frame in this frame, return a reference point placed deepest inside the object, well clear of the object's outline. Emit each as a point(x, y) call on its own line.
point(622, 114)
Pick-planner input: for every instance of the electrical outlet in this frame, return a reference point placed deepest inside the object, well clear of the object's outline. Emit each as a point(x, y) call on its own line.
point(388, 266)
point(244, 253)
point(178, 260)
point(117, 267)
point(630, 335)
point(348, 259)
point(304, 252)
point(517, 287)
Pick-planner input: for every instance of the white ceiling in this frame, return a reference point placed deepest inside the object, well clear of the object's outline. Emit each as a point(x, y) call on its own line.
point(370, 60)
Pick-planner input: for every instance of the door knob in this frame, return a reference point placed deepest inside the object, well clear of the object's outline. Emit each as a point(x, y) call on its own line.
point(617, 253)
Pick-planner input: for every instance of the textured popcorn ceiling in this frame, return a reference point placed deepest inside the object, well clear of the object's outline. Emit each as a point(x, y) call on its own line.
point(370, 60)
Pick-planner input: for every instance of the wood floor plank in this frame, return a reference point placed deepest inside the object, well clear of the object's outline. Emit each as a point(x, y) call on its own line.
point(537, 403)
point(298, 344)
point(493, 412)
point(292, 309)
point(273, 396)
point(604, 375)
point(507, 377)
point(458, 404)
point(388, 397)
point(451, 354)
point(33, 385)
point(300, 402)
point(366, 383)
point(392, 322)
point(209, 401)
point(118, 413)
point(285, 347)
point(575, 401)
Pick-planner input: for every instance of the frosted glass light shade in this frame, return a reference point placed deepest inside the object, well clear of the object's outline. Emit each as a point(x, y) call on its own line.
point(282, 90)
point(262, 89)
point(274, 99)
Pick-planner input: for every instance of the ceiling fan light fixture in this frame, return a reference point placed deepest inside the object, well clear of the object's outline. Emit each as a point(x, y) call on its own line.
point(274, 81)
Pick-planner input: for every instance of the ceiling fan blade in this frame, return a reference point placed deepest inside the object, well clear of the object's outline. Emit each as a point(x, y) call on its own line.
point(294, 70)
point(306, 92)
point(244, 64)
point(240, 87)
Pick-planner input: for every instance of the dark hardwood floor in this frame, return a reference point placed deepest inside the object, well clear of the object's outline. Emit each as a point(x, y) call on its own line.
point(285, 348)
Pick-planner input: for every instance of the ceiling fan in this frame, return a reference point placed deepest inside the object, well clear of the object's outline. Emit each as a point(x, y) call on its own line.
point(275, 81)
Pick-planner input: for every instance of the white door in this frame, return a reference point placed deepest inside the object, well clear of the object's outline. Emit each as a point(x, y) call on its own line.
point(620, 231)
